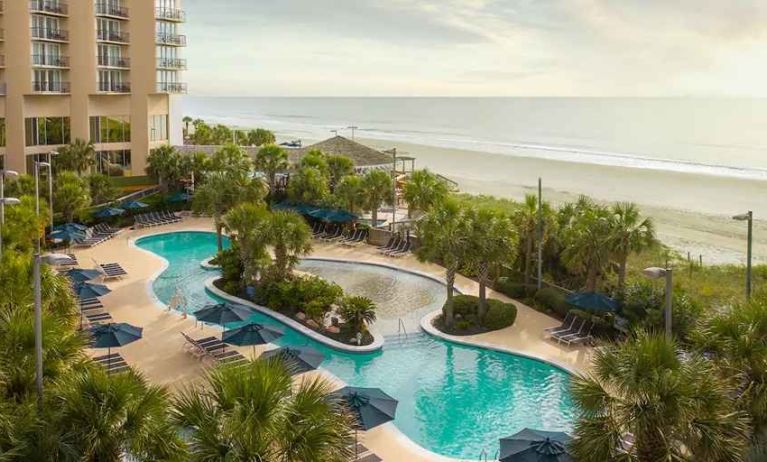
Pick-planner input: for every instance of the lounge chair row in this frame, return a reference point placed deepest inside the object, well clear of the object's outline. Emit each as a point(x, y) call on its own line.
point(574, 330)
point(96, 235)
point(147, 220)
point(213, 348)
point(113, 363)
point(396, 247)
point(363, 454)
point(112, 270)
point(355, 237)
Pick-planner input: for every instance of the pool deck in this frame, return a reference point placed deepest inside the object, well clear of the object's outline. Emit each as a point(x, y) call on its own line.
point(160, 354)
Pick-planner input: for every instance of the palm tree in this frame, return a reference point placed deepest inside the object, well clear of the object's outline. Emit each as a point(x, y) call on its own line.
point(254, 412)
point(197, 165)
point(493, 241)
point(23, 226)
point(166, 164)
point(250, 223)
point(291, 238)
point(339, 168)
point(103, 418)
point(349, 192)
point(271, 159)
point(526, 220)
point(187, 120)
point(260, 137)
point(587, 243)
point(423, 191)
point(444, 235)
point(77, 157)
point(376, 191)
point(101, 188)
point(630, 234)
point(676, 408)
point(359, 311)
point(309, 186)
point(72, 195)
point(315, 159)
point(232, 160)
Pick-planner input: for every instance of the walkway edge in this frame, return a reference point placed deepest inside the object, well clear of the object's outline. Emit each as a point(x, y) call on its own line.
point(378, 339)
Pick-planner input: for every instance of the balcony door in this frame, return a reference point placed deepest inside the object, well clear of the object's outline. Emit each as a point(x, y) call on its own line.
point(110, 80)
point(47, 79)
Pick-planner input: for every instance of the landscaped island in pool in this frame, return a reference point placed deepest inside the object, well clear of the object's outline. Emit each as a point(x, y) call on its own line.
point(454, 400)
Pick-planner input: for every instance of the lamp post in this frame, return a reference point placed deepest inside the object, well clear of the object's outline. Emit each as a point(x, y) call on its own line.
point(353, 128)
point(3, 201)
point(749, 217)
point(38, 294)
point(50, 183)
point(657, 273)
point(540, 233)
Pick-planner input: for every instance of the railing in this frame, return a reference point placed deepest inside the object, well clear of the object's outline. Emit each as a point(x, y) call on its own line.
point(114, 87)
point(50, 87)
point(171, 87)
point(171, 63)
point(3, 88)
point(171, 39)
point(49, 34)
point(113, 61)
point(112, 36)
point(50, 60)
point(48, 6)
point(110, 9)
point(170, 14)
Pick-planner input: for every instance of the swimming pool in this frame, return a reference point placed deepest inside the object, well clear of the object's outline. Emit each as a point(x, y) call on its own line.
point(454, 400)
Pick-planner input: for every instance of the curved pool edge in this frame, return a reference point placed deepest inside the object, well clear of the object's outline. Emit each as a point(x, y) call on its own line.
point(377, 344)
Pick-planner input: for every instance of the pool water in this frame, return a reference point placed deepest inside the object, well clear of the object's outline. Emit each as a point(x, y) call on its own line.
point(454, 400)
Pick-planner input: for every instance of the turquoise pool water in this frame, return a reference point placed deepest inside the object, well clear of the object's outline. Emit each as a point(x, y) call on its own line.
point(454, 400)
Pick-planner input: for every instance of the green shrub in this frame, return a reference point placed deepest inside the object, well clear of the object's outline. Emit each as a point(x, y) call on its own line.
point(552, 299)
point(465, 305)
point(231, 269)
point(463, 324)
point(312, 295)
point(510, 288)
point(500, 315)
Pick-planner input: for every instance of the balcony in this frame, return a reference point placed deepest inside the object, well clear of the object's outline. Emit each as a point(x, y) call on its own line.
point(114, 61)
point(45, 33)
point(171, 87)
point(171, 39)
point(171, 64)
point(56, 7)
point(3, 89)
point(2, 61)
point(50, 87)
point(114, 87)
point(111, 10)
point(50, 60)
point(170, 14)
point(113, 36)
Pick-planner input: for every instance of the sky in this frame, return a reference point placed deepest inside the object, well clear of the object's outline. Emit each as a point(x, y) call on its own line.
point(477, 47)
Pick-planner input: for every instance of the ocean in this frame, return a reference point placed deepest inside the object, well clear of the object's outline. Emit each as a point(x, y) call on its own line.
point(690, 162)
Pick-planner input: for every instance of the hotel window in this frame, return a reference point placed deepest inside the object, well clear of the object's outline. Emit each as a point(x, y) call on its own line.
point(2, 133)
point(110, 55)
point(110, 129)
point(45, 23)
point(158, 127)
point(46, 54)
point(108, 29)
point(46, 131)
point(113, 163)
point(166, 3)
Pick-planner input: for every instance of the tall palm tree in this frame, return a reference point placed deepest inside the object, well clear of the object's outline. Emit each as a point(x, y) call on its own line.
point(291, 238)
point(339, 168)
point(526, 220)
point(493, 241)
point(187, 120)
point(101, 418)
point(359, 311)
point(423, 190)
point(631, 234)
point(587, 239)
point(376, 191)
point(254, 413)
point(233, 161)
point(349, 192)
point(444, 236)
point(197, 165)
point(166, 164)
point(676, 408)
point(250, 223)
point(77, 157)
point(270, 160)
point(309, 185)
point(72, 195)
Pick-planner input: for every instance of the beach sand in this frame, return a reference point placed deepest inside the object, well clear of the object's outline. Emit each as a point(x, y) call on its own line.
point(692, 212)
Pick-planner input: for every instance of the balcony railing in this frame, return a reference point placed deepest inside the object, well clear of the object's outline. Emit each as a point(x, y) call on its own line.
point(50, 60)
point(46, 33)
point(48, 6)
point(171, 63)
point(110, 9)
point(171, 87)
point(113, 61)
point(171, 39)
point(114, 87)
point(170, 14)
point(113, 36)
point(50, 87)
point(3, 89)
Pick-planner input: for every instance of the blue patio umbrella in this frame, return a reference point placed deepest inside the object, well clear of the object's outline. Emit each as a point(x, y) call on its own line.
point(297, 359)
point(82, 275)
point(224, 313)
point(85, 290)
point(370, 406)
point(114, 335)
point(70, 226)
point(340, 216)
point(134, 205)
point(68, 235)
point(535, 446)
point(109, 212)
point(179, 197)
point(592, 301)
point(251, 334)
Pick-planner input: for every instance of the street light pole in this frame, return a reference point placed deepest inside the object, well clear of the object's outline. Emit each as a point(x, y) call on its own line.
point(749, 217)
point(38, 296)
point(666, 273)
point(540, 233)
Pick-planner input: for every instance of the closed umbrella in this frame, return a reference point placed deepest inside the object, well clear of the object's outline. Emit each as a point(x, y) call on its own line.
point(592, 301)
point(109, 212)
point(134, 205)
point(371, 407)
point(535, 446)
point(298, 360)
point(82, 275)
point(224, 313)
point(114, 335)
point(89, 290)
point(251, 334)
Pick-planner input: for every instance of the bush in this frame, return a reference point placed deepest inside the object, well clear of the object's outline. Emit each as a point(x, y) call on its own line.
point(500, 315)
point(552, 299)
point(231, 269)
point(510, 288)
point(312, 295)
point(465, 305)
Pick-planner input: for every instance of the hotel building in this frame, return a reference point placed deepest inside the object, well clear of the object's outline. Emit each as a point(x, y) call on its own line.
point(98, 70)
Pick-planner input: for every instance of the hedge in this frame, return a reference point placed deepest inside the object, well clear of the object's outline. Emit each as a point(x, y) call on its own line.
point(512, 288)
point(552, 299)
point(498, 316)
